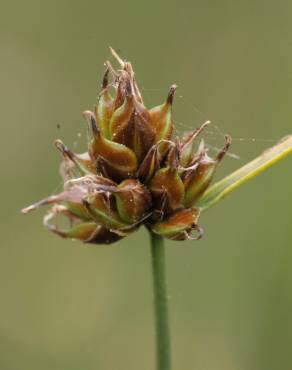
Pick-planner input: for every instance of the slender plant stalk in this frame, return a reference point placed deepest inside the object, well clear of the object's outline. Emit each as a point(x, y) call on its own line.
point(160, 303)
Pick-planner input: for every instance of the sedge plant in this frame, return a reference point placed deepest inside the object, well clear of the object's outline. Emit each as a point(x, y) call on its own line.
point(134, 173)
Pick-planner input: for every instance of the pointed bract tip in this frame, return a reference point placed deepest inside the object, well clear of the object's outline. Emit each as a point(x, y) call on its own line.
point(225, 148)
point(201, 128)
point(89, 116)
point(117, 57)
point(66, 152)
point(228, 139)
point(128, 67)
point(111, 69)
point(27, 209)
point(60, 146)
point(171, 93)
point(197, 132)
point(48, 200)
point(105, 78)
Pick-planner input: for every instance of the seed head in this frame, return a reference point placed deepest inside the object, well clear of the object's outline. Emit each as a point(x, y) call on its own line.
point(133, 173)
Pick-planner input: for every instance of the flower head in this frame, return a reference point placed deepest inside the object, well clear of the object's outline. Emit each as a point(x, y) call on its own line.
point(133, 171)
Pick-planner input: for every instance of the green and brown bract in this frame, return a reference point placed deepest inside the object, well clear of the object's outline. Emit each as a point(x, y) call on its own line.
point(133, 173)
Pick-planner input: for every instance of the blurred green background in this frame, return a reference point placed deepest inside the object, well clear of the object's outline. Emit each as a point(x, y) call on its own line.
point(68, 306)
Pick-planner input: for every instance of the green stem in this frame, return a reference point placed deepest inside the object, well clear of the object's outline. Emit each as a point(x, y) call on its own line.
point(160, 303)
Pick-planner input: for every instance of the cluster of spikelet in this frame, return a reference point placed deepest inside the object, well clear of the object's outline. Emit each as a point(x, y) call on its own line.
point(133, 172)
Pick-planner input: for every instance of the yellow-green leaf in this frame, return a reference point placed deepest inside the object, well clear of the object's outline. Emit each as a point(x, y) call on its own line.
point(231, 182)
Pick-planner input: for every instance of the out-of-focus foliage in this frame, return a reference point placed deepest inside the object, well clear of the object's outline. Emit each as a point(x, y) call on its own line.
point(68, 306)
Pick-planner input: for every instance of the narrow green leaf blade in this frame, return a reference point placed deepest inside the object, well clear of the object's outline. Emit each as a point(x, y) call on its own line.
point(231, 182)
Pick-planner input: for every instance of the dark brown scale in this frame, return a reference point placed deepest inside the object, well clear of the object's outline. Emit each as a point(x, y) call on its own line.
point(137, 134)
